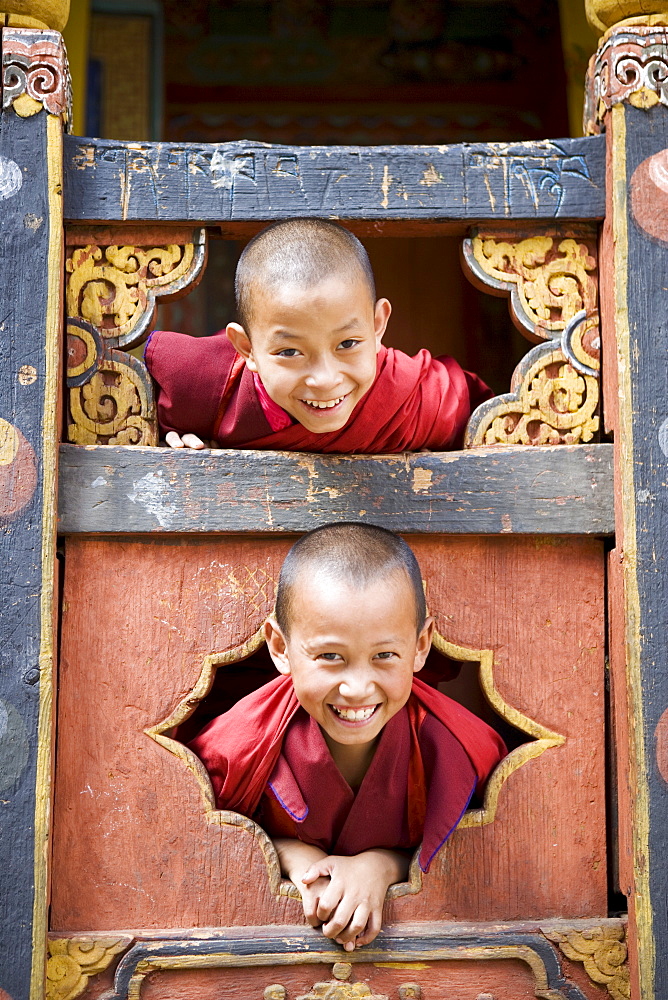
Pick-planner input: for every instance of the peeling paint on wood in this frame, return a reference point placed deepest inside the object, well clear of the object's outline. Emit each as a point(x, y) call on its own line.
point(107, 180)
point(560, 490)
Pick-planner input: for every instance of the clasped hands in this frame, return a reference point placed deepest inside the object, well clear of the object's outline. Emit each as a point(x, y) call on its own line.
point(343, 896)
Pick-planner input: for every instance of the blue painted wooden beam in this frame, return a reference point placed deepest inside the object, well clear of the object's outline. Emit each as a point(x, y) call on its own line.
point(235, 182)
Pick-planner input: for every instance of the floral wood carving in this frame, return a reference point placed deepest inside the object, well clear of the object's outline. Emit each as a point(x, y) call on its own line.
point(603, 952)
point(73, 961)
point(548, 285)
point(630, 65)
point(550, 402)
point(35, 72)
point(115, 287)
point(554, 392)
point(112, 292)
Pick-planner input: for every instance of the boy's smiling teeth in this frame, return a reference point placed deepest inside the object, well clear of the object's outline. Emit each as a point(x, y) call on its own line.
point(354, 714)
point(320, 404)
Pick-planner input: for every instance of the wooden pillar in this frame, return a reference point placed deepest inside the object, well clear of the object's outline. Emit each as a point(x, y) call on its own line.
point(35, 93)
point(627, 99)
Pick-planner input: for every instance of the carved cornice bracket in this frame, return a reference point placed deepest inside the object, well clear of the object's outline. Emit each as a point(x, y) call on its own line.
point(631, 65)
point(112, 293)
point(73, 961)
point(35, 73)
point(602, 951)
point(552, 286)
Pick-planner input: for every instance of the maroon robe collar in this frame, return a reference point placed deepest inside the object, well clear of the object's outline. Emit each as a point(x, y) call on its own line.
point(308, 785)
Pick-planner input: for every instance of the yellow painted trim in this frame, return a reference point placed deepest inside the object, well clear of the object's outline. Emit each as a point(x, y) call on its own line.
point(641, 858)
point(544, 738)
point(451, 952)
point(43, 778)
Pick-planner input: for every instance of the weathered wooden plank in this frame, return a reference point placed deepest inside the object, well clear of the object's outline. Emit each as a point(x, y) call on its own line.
point(30, 269)
point(231, 182)
point(559, 490)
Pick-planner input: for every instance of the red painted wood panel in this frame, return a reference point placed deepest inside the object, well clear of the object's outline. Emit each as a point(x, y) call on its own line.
point(132, 845)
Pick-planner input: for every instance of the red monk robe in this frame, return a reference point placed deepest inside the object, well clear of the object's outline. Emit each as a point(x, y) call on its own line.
point(205, 388)
point(267, 759)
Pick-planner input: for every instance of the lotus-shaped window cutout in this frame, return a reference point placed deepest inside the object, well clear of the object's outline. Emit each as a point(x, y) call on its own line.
point(525, 737)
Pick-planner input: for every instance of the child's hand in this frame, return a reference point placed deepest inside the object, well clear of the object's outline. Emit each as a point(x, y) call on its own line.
point(176, 440)
point(350, 907)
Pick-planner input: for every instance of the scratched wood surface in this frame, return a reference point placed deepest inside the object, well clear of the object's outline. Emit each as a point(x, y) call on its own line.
point(552, 490)
point(242, 181)
point(132, 844)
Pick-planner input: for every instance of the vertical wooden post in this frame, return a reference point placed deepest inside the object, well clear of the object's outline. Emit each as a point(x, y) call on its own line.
point(627, 99)
point(35, 98)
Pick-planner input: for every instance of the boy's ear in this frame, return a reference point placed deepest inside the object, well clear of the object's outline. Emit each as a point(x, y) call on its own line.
point(423, 645)
point(241, 343)
point(381, 316)
point(277, 646)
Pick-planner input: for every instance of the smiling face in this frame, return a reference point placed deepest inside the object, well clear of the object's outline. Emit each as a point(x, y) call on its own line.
point(314, 347)
point(351, 652)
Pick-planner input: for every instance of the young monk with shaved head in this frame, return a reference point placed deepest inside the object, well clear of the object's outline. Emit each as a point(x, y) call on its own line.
point(347, 759)
point(305, 369)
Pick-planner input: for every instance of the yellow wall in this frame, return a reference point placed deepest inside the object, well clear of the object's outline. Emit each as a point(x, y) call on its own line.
point(76, 36)
point(579, 42)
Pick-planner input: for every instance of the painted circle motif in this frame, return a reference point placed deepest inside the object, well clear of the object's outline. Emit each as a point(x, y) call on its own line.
point(18, 470)
point(649, 195)
point(661, 745)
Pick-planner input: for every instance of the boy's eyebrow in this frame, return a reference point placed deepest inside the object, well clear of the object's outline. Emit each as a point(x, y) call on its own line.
point(286, 335)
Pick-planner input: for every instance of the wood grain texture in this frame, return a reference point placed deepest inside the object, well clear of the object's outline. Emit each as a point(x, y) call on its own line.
point(28, 406)
point(132, 844)
point(246, 181)
point(560, 490)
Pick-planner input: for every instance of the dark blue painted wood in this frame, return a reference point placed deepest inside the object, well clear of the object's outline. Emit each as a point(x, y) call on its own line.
point(248, 181)
point(24, 233)
point(646, 134)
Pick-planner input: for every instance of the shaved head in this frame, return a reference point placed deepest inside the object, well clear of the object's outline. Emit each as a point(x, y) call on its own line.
point(351, 553)
point(300, 252)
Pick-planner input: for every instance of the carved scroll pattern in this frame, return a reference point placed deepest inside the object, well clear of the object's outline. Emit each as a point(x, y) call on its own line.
point(554, 392)
point(73, 961)
point(603, 952)
point(339, 988)
point(34, 66)
point(112, 292)
point(630, 65)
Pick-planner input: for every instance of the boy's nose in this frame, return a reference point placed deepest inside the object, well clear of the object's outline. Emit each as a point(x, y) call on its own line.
point(357, 687)
point(324, 374)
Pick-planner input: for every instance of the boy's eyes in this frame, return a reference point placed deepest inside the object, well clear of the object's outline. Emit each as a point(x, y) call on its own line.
point(330, 657)
point(385, 655)
point(350, 342)
point(288, 352)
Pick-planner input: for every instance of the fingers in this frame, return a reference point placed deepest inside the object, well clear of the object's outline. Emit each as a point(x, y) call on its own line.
point(316, 871)
point(176, 440)
point(346, 922)
point(372, 929)
point(173, 439)
point(192, 441)
point(311, 901)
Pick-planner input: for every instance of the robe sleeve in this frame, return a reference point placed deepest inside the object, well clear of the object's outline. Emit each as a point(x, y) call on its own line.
point(191, 375)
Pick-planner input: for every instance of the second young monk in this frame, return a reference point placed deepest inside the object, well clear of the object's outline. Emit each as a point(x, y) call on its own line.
point(305, 369)
point(347, 760)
